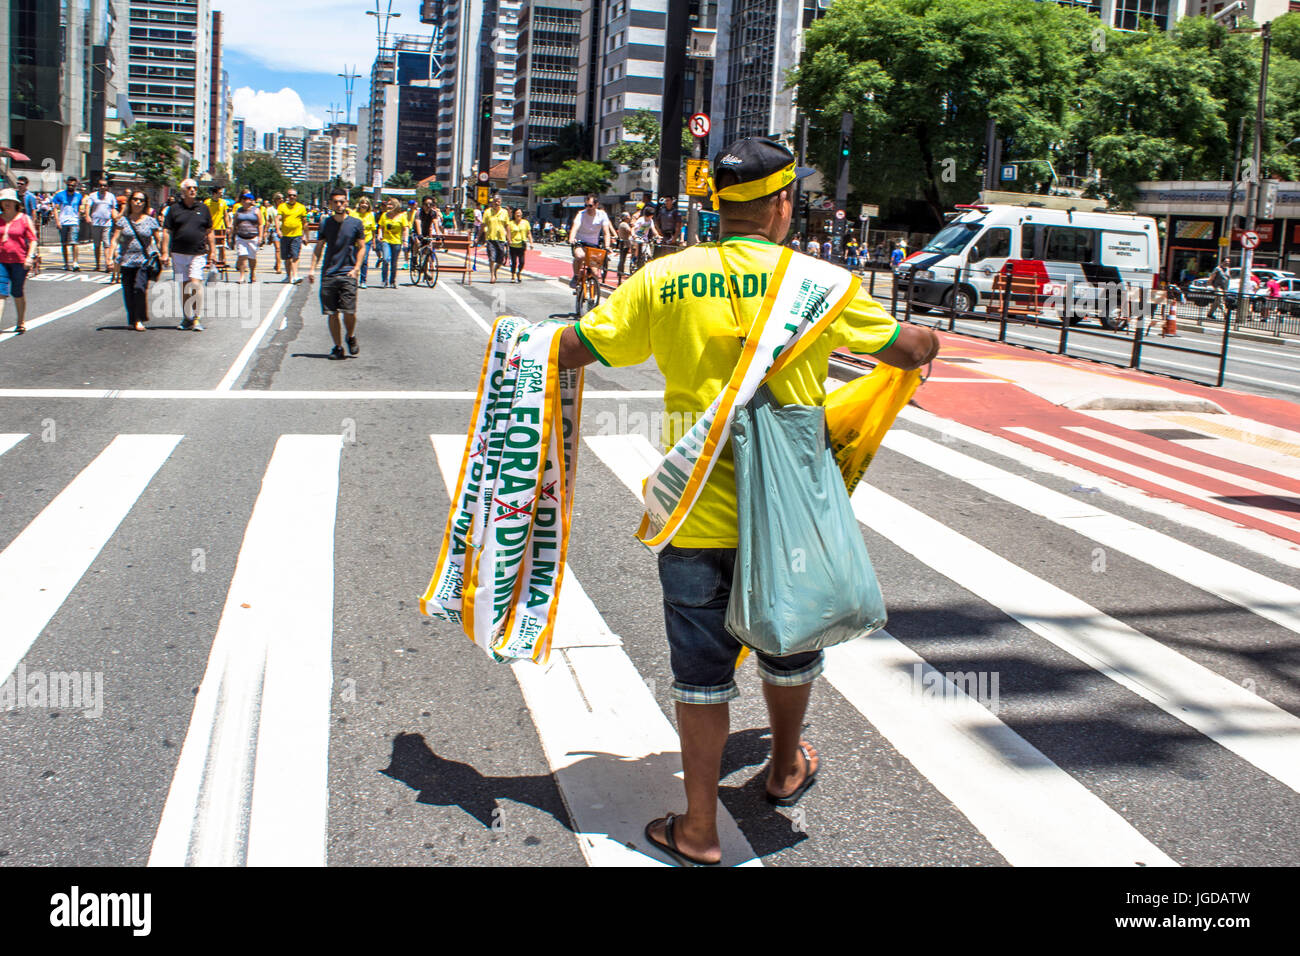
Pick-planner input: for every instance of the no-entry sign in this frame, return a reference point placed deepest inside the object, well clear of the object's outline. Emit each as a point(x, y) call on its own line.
point(1249, 240)
point(699, 125)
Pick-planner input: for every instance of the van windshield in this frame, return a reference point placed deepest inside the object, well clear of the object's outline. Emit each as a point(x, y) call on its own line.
point(952, 239)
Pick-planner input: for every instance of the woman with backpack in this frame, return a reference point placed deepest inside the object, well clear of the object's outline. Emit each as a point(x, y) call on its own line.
point(136, 262)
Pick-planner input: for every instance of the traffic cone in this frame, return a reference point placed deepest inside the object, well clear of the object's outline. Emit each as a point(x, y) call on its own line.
point(1171, 320)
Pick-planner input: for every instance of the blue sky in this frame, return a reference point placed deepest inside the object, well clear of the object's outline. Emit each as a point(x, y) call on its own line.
point(283, 58)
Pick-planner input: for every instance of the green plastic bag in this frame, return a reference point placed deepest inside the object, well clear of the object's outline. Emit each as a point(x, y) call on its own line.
point(803, 580)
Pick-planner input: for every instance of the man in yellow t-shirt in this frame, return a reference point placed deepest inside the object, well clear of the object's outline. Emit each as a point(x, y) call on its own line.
point(217, 208)
point(289, 217)
point(679, 311)
point(496, 223)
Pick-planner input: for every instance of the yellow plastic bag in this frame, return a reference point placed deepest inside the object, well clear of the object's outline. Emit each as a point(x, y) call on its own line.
point(858, 415)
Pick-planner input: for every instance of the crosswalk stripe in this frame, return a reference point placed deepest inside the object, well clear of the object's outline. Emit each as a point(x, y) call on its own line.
point(614, 754)
point(1253, 728)
point(48, 317)
point(1278, 602)
point(9, 439)
point(1197, 467)
point(45, 561)
point(1027, 807)
point(1273, 548)
point(1030, 810)
point(252, 784)
point(1257, 516)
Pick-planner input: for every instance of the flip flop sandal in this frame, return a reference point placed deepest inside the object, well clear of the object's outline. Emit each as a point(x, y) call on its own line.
point(810, 777)
point(670, 846)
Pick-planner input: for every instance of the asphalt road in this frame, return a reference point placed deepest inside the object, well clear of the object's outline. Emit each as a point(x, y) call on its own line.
point(1125, 715)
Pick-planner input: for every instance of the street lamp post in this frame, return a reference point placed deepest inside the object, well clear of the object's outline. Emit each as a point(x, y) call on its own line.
point(1252, 188)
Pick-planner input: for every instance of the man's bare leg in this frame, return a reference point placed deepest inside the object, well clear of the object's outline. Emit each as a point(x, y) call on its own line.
point(336, 332)
point(703, 729)
point(786, 707)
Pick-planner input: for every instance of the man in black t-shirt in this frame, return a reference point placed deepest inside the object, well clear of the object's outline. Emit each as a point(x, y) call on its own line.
point(187, 244)
point(340, 241)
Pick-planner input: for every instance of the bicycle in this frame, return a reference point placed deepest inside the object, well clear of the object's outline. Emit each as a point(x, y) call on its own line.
point(587, 295)
point(425, 264)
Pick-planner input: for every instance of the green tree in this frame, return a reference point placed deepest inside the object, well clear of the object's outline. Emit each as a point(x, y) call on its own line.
point(645, 124)
point(152, 154)
point(402, 180)
point(260, 174)
point(575, 178)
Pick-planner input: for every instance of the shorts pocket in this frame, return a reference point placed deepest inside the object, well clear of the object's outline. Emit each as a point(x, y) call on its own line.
point(691, 577)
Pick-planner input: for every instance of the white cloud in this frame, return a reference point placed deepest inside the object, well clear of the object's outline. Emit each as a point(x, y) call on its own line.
point(311, 36)
point(266, 111)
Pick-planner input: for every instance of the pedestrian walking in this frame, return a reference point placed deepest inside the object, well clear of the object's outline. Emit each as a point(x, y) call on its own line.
point(290, 216)
point(697, 345)
point(17, 255)
point(1220, 279)
point(896, 257)
point(851, 253)
point(496, 223)
point(100, 207)
point(367, 217)
point(67, 203)
point(392, 228)
point(340, 245)
point(187, 245)
point(273, 229)
point(250, 232)
point(521, 232)
point(795, 244)
point(828, 251)
point(217, 209)
point(135, 236)
point(624, 234)
point(31, 203)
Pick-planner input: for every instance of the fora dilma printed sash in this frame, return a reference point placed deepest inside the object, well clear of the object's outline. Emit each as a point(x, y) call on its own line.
point(503, 550)
point(803, 298)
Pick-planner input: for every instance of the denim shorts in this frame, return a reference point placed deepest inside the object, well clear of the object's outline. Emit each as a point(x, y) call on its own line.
point(12, 277)
point(290, 246)
point(697, 586)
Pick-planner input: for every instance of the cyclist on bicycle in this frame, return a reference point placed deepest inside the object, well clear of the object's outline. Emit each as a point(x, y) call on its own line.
point(591, 229)
point(668, 220)
point(645, 233)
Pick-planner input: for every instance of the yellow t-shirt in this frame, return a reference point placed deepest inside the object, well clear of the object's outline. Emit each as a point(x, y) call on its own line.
point(367, 222)
point(293, 217)
point(520, 232)
point(676, 309)
point(495, 224)
point(217, 209)
point(391, 228)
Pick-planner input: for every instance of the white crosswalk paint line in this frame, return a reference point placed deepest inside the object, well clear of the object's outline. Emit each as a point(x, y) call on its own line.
point(251, 786)
point(614, 754)
point(43, 564)
point(1031, 811)
point(1258, 593)
point(482, 323)
point(9, 439)
point(1164, 481)
point(1028, 808)
point(1253, 728)
point(237, 367)
point(1155, 454)
point(60, 313)
point(1275, 549)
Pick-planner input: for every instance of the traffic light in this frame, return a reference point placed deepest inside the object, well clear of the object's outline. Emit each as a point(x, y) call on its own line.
point(1267, 204)
point(846, 144)
point(487, 107)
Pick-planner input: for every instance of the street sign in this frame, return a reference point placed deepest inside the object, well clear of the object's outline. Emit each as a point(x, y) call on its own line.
point(1249, 240)
point(483, 177)
point(700, 125)
point(377, 179)
point(1223, 241)
point(869, 212)
point(1008, 174)
point(482, 197)
point(828, 203)
point(839, 213)
point(697, 177)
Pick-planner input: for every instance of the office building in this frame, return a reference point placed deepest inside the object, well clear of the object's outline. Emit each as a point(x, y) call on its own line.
point(1165, 14)
point(269, 142)
point(546, 81)
point(400, 123)
point(291, 151)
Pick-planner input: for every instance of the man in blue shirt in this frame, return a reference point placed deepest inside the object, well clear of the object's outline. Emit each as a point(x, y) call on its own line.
point(67, 206)
point(27, 199)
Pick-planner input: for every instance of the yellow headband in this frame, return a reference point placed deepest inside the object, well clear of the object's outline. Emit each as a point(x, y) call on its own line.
point(755, 189)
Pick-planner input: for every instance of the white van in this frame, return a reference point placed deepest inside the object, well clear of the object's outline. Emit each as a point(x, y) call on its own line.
point(1095, 260)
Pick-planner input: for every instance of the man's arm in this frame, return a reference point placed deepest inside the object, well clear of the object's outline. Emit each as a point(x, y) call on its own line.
point(165, 243)
point(360, 247)
point(915, 346)
point(318, 250)
point(573, 353)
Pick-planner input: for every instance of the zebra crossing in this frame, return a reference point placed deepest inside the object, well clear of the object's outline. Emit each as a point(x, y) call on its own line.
point(251, 782)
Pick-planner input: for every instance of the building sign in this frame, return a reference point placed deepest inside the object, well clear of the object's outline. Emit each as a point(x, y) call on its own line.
point(1264, 230)
point(1194, 229)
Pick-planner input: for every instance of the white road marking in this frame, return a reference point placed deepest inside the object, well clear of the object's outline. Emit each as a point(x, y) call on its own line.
point(1159, 480)
point(358, 395)
point(9, 439)
point(232, 375)
point(1254, 729)
point(1273, 548)
point(60, 313)
point(615, 756)
point(45, 561)
point(252, 786)
point(482, 323)
point(1218, 474)
point(1029, 809)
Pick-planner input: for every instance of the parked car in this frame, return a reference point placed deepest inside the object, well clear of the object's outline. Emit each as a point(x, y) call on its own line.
point(1201, 292)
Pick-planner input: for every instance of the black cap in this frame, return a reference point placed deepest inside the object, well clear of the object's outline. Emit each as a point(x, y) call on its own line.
point(754, 160)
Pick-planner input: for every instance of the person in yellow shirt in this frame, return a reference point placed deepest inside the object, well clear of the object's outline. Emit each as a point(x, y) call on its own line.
point(521, 237)
point(691, 312)
point(393, 227)
point(289, 218)
point(217, 208)
point(367, 217)
point(496, 221)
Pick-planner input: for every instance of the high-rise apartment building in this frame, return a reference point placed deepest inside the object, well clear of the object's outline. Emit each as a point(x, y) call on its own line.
point(169, 69)
point(630, 67)
point(1165, 14)
point(402, 117)
point(546, 80)
point(291, 151)
point(269, 142)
